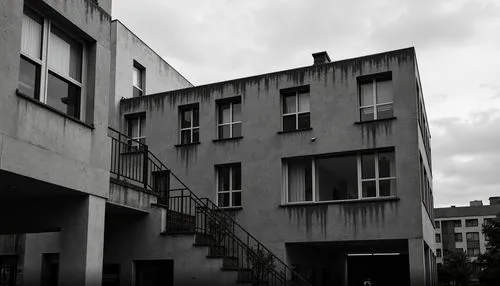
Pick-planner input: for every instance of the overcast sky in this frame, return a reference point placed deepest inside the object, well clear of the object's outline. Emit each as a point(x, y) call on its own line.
point(457, 44)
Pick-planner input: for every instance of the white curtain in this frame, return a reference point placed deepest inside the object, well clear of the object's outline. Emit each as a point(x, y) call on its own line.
point(60, 54)
point(296, 182)
point(304, 102)
point(31, 40)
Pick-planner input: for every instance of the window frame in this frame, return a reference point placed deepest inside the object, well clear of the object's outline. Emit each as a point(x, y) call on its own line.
point(191, 128)
point(472, 233)
point(296, 91)
point(438, 238)
point(41, 89)
point(474, 222)
point(377, 178)
point(373, 79)
point(231, 123)
point(458, 234)
point(315, 190)
point(142, 78)
point(230, 191)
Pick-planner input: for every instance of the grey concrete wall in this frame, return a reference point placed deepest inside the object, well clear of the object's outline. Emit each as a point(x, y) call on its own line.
point(37, 245)
point(127, 47)
point(130, 198)
point(140, 237)
point(334, 111)
point(33, 137)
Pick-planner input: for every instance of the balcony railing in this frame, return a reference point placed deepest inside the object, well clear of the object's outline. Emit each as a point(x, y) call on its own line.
point(132, 162)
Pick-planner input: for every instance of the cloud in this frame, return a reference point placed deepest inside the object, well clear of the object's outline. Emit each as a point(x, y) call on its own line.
point(466, 156)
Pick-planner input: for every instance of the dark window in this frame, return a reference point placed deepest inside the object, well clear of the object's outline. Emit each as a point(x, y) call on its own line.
point(63, 95)
point(138, 79)
point(378, 174)
point(29, 78)
point(457, 223)
point(438, 237)
point(473, 251)
point(189, 124)
point(472, 236)
point(337, 178)
point(471, 222)
point(438, 224)
point(295, 109)
point(229, 185)
point(376, 99)
point(229, 119)
point(458, 237)
point(299, 180)
point(438, 252)
point(136, 125)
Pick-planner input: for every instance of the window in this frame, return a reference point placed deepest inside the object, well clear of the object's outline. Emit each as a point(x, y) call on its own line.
point(138, 79)
point(472, 236)
point(473, 251)
point(456, 223)
point(438, 224)
point(229, 185)
point(51, 65)
point(438, 237)
point(458, 237)
point(295, 109)
point(136, 125)
point(438, 252)
point(375, 97)
point(488, 221)
point(471, 222)
point(340, 177)
point(229, 119)
point(189, 124)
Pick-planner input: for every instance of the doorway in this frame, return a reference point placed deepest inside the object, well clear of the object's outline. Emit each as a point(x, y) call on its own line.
point(378, 270)
point(154, 272)
point(8, 270)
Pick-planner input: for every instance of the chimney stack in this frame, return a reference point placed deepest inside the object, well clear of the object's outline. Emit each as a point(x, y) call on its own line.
point(494, 201)
point(476, 203)
point(321, 58)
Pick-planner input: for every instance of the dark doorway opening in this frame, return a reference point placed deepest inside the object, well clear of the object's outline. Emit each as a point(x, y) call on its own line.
point(154, 272)
point(8, 270)
point(378, 270)
point(50, 269)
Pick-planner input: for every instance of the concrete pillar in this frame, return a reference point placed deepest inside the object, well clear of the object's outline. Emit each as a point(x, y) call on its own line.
point(417, 261)
point(81, 243)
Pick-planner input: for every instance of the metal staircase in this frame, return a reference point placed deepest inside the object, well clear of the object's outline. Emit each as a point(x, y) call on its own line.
point(131, 161)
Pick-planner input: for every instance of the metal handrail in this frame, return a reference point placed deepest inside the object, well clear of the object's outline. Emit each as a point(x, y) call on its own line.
point(151, 163)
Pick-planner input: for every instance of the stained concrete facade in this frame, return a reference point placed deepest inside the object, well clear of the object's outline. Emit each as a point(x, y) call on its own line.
point(127, 49)
point(54, 168)
point(335, 129)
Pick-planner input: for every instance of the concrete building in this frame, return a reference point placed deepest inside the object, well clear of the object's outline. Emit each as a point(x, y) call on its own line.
point(459, 228)
point(323, 170)
point(328, 165)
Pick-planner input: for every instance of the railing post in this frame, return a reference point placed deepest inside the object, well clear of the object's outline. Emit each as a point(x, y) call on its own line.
point(118, 154)
point(145, 166)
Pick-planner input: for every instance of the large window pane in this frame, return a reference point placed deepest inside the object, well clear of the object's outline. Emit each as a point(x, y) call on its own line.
point(32, 31)
point(367, 113)
point(289, 103)
point(186, 119)
point(299, 180)
point(224, 178)
point(196, 135)
point(366, 93)
point(65, 55)
point(224, 113)
point(369, 189)
point(236, 111)
point(304, 121)
point(337, 178)
point(133, 127)
point(384, 111)
point(384, 91)
point(29, 78)
point(387, 188)
point(224, 131)
point(368, 166)
point(236, 172)
point(386, 165)
point(185, 136)
point(196, 117)
point(304, 101)
point(63, 96)
point(289, 123)
point(236, 129)
point(224, 200)
point(237, 199)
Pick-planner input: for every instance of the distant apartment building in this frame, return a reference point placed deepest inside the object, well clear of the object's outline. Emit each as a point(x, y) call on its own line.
point(324, 169)
point(460, 228)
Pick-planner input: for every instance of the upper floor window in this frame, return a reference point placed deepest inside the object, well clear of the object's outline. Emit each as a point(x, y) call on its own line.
point(438, 252)
point(229, 185)
point(471, 222)
point(138, 79)
point(458, 237)
point(136, 124)
point(437, 224)
point(473, 251)
point(51, 64)
point(229, 118)
point(340, 177)
point(375, 97)
point(472, 236)
point(295, 109)
point(438, 237)
point(189, 123)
